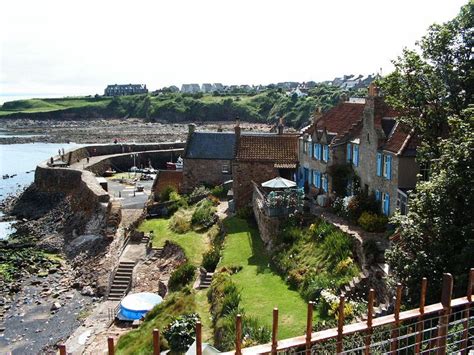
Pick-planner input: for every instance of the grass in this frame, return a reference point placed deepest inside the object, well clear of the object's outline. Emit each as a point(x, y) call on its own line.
point(48, 105)
point(193, 243)
point(262, 289)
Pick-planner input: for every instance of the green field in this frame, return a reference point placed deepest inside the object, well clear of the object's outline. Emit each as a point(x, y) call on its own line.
point(49, 105)
point(193, 243)
point(262, 289)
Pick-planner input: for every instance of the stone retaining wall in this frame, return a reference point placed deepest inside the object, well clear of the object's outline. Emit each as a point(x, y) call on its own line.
point(267, 226)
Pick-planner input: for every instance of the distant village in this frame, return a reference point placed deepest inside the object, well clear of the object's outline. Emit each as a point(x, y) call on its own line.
point(345, 82)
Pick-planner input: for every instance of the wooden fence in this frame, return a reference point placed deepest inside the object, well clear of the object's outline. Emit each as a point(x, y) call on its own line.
point(440, 328)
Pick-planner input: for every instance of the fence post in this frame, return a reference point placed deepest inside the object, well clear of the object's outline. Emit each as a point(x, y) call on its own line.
point(396, 331)
point(275, 331)
point(198, 338)
point(340, 324)
point(110, 345)
point(156, 342)
point(238, 335)
point(62, 349)
point(420, 326)
point(446, 294)
point(370, 311)
point(309, 327)
point(470, 285)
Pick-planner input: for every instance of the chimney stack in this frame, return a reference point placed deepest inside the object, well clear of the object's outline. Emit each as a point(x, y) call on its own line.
point(317, 114)
point(219, 128)
point(191, 128)
point(343, 98)
point(280, 126)
point(373, 90)
point(237, 128)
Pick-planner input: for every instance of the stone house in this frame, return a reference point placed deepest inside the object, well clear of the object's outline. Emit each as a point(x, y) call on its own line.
point(361, 135)
point(127, 89)
point(207, 158)
point(260, 157)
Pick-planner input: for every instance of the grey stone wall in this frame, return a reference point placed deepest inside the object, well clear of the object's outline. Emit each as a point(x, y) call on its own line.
point(204, 171)
point(267, 226)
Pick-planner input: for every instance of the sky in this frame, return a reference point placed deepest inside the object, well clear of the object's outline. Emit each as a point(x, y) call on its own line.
point(64, 48)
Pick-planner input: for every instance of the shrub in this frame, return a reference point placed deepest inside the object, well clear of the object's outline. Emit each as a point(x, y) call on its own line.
point(335, 247)
point(313, 285)
point(213, 199)
point(372, 222)
point(290, 234)
point(204, 214)
point(180, 222)
point(231, 269)
point(361, 203)
point(182, 276)
point(210, 259)
point(320, 230)
point(199, 191)
point(165, 194)
point(343, 266)
point(219, 191)
point(296, 277)
point(180, 333)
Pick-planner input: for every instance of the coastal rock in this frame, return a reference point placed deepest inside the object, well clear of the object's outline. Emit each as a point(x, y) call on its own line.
point(87, 291)
point(55, 306)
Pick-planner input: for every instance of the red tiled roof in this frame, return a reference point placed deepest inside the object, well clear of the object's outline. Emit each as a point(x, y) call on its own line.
point(172, 178)
point(381, 110)
point(400, 140)
point(340, 120)
point(268, 147)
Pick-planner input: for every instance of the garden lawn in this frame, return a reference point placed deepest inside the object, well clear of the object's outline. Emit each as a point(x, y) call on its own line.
point(262, 289)
point(193, 243)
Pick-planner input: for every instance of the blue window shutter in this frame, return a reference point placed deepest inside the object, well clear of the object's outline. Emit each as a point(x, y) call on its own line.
point(386, 205)
point(318, 179)
point(310, 149)
point(315, 153)
point(379, 164)
point(355, 158)
point(349, 152)
point(326, 153)
point(389, 167)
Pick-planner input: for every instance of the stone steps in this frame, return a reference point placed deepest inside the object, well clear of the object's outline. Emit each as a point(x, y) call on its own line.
point(205, 280)
point(122, 279)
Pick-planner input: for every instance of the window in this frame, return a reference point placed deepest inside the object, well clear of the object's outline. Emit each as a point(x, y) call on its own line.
point(310, 149)
point(355, 155)
point(379, 164)
point(305, 146)
point(317, 151)
point(225, 169)
point(349, 152)
point(317, 179)
point(402, 202)
point(386, 204)
point(326, 153)
point(387, 167)
point(325, 183)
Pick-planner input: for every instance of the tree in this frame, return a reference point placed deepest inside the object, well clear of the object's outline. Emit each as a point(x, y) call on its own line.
point(433, 92)
point(432, 84)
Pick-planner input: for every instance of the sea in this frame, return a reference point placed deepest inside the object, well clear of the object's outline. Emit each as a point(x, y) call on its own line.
point(19, 161)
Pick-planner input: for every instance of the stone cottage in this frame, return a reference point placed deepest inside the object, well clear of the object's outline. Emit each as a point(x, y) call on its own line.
point(207, 158)
point(261, 157)
point(363, 136)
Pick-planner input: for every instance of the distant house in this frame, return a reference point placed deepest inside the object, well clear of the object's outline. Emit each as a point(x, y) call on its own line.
point(207, 158)
point(218, 87)
point(206, 88)
point(261, 157)
point(361, 134)
point(126, 89)
point(190, 88)
point(296, 92)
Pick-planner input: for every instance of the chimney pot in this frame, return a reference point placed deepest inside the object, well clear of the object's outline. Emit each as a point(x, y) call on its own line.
point(237, 128)
point(191, 128)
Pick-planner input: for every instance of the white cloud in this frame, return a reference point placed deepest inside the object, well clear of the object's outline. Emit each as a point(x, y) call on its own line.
point(78, 47)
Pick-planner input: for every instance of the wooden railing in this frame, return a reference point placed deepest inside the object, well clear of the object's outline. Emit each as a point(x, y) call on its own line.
point(440, 328)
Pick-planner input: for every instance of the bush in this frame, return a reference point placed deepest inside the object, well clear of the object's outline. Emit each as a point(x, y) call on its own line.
point(180, 333)
point(182, 276)
point(219, 191)
point(165, 194)
point(199, 191)
point(204, 214)
point(210, 259)
point(245, 213)
point(231, 269)
point(320, 230)
point(180, 222)
point(343, 266)
point(372, 222)
point(313, 285)
point(290, 234)
point(335, 247)
point(296, 277)
point(361, 203)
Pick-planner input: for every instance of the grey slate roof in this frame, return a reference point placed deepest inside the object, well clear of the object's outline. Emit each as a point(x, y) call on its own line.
point(211, 145)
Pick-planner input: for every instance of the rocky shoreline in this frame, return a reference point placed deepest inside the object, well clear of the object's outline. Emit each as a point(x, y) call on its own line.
point(95, 131)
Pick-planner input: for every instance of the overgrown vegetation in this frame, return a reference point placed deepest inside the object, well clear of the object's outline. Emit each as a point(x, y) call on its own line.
point(181, 332)
point(181, 277)
point(204, 215)
point(315, 258)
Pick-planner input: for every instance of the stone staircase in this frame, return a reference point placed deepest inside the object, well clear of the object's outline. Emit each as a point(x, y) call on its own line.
point(351, 287)
point(205, 280)
point(154, 255)
point(122, 281)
